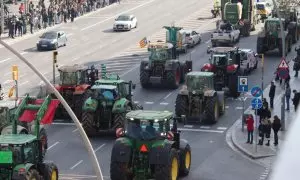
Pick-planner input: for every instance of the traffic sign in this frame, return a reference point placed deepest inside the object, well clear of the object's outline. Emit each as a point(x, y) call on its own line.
point(243, 84)
point(283, 73)
point(256, 91)
point(283, 64)
point(256, 103)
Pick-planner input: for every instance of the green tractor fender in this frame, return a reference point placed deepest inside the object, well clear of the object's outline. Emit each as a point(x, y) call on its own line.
point(20, 130)
point(171, 65)
point(122, 150)
point(90, 105)
point(121, 106)
point(159, 153)
point(26, 166)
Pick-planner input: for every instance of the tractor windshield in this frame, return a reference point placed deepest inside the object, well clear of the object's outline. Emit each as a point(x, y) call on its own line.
point(68, 78)
point(220, 60)
point(272, 26)
point(144, 129)
point(195, 83)
point(16, 153)
point(260, 6)
point(109, 92)
point(3, 116)
point(157, 54)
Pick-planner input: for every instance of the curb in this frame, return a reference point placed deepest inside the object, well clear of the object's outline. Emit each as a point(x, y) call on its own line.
point(241, 149)
point(29, 35)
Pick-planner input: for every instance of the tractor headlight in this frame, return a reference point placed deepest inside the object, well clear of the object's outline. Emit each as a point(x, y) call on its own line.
point(193, 92)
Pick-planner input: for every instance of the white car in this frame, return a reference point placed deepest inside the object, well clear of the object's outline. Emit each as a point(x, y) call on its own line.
point(227, 34)
point(125, 23)
point(192, 37)
point(249, 60)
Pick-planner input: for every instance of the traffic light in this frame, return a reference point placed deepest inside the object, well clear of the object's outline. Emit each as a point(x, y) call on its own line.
point(15, 72)
point(55, 53)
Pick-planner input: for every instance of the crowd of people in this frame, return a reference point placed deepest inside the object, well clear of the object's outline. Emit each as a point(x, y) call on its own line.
point(39, 16)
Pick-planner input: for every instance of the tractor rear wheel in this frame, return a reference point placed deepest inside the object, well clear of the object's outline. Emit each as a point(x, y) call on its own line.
point(144, 78)
point(50, 171)
point(119, 171)
point(88, 123)
point(33, 174)
point(212, 109)
point(44, 142)
point(119, 120)
point(169, 171)
point(232, 84)
point(181, 105)
point(173, 78)
point(185, 160)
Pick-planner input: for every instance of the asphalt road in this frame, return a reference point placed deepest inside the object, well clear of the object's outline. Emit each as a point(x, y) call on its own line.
point(91, 41)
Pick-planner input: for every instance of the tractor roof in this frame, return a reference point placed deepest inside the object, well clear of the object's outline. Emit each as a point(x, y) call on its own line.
point(149, 115)
point(16, 139)
point(104, 86)
point(73, 68)
point(275, 19)
point(160, 45)
point(109, 81)
point(200, 73)
point(7, 103)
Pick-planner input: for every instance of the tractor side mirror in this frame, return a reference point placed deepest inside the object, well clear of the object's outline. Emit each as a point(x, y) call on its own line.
point(120, 132)
point(133, 86)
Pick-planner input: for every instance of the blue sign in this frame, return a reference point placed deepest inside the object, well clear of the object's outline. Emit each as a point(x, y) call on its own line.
point(283, 73)
point(256, 103)
point(256, 91)
point(243, 84)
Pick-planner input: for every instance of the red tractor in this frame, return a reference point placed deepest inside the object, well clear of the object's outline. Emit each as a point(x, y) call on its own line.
point(74, 83)
point(224, 63)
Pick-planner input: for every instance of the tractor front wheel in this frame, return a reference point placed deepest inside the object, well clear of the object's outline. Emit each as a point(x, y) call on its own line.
point(119, 120)
point(169, 171)
point(181, 105)
point(119, 171)
point(144, 78)
point(32, 174)
point(212, 109)
point(173, 78)
point(185, 160)
point(88, 123)
point(50, 171)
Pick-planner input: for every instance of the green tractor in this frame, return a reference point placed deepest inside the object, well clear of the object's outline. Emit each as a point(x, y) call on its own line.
point(105, 108)
point(22, 116)
point(270, 37)
point(21, 154)
point(198, 98)
point(147, 148)
point(163, 67)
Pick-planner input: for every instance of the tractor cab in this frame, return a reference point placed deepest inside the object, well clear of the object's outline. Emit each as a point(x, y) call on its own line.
point(272, 26)
point(72, 75)
point(6, 109)
point(198, 82)
point(160, 51)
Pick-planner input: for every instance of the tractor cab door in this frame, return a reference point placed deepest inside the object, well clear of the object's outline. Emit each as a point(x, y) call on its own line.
point(123, 90)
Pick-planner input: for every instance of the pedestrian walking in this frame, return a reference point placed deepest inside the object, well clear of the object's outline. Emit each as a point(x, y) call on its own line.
point(276, 125)
point(296, 99)
point(268, 129)
point(288, 93)
point(272, 94)
point(250, 128)
point(261, 133)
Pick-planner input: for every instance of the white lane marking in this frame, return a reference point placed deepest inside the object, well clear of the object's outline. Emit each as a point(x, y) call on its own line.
point(7, 81)
point(124, 12)
point(226, 107)
point(23, 83)
point(149, 102)
point(75, 130)
point(74, 59)
point(4, 60)
point(22, 53)
point(64, 124)
point(222, 128)
point(50, 147)
point(164, 103)
point(239, 108)
point(8, 73)
point(71, 34)
point(200, 130)
point(168, 95)
point(207, 42)
point(193, 51)
point(79, 162)
point(188, 126)
point(57, 75)
point(98, 148)
point(137, 66)
point(78, 175)
point(205, 127)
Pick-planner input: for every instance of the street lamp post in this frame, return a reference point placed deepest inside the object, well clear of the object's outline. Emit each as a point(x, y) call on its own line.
point(86, 141)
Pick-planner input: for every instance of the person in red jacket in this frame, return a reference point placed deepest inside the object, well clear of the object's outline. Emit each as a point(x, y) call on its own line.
point(250, 128)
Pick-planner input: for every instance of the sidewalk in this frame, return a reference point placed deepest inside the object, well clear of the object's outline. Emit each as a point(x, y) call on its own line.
point(239, 138)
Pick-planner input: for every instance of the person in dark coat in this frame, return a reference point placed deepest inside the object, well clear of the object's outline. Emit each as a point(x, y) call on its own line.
point(276, 125)
point(296, 99)
point(267, 129)
point(272, 94)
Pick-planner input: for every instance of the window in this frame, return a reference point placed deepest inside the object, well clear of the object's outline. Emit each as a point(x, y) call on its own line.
point(28, 153)
point(49, 36)
point(68, 78)
point(123, 18)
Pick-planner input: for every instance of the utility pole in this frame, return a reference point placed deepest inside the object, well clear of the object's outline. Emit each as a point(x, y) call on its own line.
point(54, 63)
point(2, 15)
